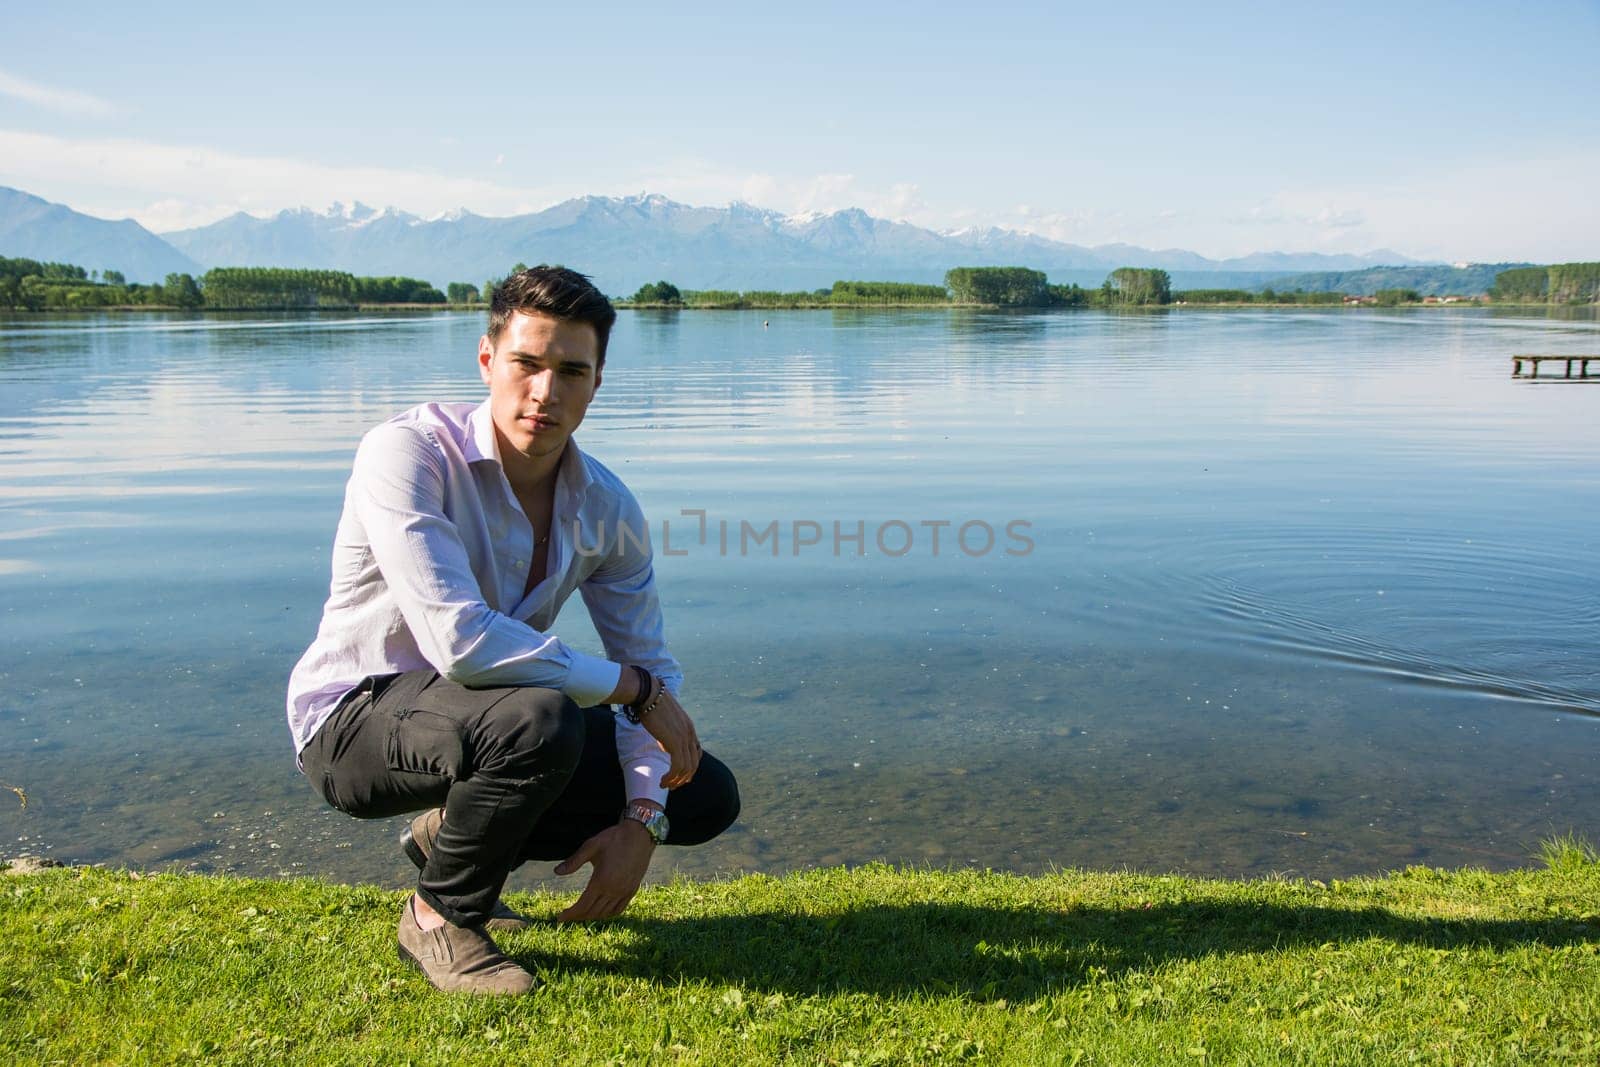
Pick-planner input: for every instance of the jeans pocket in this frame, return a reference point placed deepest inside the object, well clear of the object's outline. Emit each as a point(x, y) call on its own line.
point(424, 742)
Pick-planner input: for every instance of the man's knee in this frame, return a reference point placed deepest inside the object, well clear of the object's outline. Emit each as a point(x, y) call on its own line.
point(529, 732)
point(715, 807)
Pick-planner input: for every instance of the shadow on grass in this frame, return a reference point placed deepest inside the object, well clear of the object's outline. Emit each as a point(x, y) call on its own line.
point(1021, 954)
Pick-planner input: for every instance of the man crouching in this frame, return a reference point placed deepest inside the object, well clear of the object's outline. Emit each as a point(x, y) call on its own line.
point(434, 684)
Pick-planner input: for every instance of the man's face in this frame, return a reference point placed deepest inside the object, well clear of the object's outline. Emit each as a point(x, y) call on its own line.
point(541, 374)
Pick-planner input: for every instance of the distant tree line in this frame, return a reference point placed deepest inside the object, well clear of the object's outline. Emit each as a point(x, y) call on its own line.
point(727, 299)
point(1020, 287)
point(1560, 283)
point(30, 285)
point(1246, 296)
point(1575, 283)
point(868, 293)
point(27, 284)
point(253, 288)
point(1009, 287)
point(1013, 287)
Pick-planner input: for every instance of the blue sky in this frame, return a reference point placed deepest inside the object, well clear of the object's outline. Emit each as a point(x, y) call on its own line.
point(1464, 132)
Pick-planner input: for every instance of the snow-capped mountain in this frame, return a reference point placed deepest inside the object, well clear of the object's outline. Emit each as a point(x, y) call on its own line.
point(627, 241)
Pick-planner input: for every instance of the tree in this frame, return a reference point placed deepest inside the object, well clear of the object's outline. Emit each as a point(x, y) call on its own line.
point(1388, 298)
point(395, 290)
point(1140, 286)
point(1069, 296)
point(278, 287)
point(1000, 286)
point(113, 277)
point(462, 293)
point(1521, 285)
point(1574, 283)
point(658, 293)
point(494, 283)
point(181, 290)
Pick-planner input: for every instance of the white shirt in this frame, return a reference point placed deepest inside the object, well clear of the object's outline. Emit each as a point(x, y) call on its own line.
point(430, 561)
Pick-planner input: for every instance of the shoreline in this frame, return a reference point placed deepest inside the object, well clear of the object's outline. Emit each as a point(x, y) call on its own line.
point(623, 305)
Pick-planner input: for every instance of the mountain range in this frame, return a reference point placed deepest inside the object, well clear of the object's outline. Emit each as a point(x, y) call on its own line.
point(32, 228)
point(622, 241)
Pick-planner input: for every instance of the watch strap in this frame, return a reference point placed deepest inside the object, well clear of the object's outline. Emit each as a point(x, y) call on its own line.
point(655, 822)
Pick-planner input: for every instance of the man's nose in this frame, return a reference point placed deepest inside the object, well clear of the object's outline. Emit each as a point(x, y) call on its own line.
point(540, 385)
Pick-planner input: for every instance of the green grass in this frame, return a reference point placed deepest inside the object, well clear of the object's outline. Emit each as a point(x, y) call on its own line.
point(873, 965)
point(1568, 852)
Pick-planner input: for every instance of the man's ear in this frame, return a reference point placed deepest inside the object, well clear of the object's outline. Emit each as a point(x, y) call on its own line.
point(485, 355)
point(597, 379)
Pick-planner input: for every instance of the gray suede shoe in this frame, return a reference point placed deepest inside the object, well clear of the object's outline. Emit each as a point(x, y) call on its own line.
point(417, 841)
point(455, 959)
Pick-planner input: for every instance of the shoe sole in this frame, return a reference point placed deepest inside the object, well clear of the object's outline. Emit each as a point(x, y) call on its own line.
point(416, 964)
point(406, 957)
point(413, 851)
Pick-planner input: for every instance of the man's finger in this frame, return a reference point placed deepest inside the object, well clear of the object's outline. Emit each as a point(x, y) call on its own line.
point(676, 776)
point(584, 854)
point(581, 908)
point(680, 759)
point(683, 773)
point(691, 764)
point(588, 908)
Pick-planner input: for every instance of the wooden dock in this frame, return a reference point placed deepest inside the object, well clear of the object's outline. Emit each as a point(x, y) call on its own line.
point(1533, 362)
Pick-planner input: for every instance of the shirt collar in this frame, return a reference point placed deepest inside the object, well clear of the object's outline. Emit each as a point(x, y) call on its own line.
point(574, 475)
point(482, 444)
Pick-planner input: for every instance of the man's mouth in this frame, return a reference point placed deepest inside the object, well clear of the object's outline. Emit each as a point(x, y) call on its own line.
point(539, 422)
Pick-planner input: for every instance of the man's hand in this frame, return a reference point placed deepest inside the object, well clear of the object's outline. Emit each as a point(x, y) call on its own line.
point(669, 724)
point(620, 855)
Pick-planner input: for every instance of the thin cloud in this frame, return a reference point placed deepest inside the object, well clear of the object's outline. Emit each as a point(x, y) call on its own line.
point(1079, 226)
point(1299, 211)
point(163, 185)
point(1450, 213)
point(66, 101)
point(697, 181)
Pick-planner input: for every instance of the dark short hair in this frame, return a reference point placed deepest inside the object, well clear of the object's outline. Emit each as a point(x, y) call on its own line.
point(555, 291)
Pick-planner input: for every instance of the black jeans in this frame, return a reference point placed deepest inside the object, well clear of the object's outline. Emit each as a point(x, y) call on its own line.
point(522, 774)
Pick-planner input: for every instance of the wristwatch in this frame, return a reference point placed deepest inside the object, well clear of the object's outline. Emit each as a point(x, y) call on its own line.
point(654, 821)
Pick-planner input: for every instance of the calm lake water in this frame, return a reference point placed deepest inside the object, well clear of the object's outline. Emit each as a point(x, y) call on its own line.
point(1311, 592)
